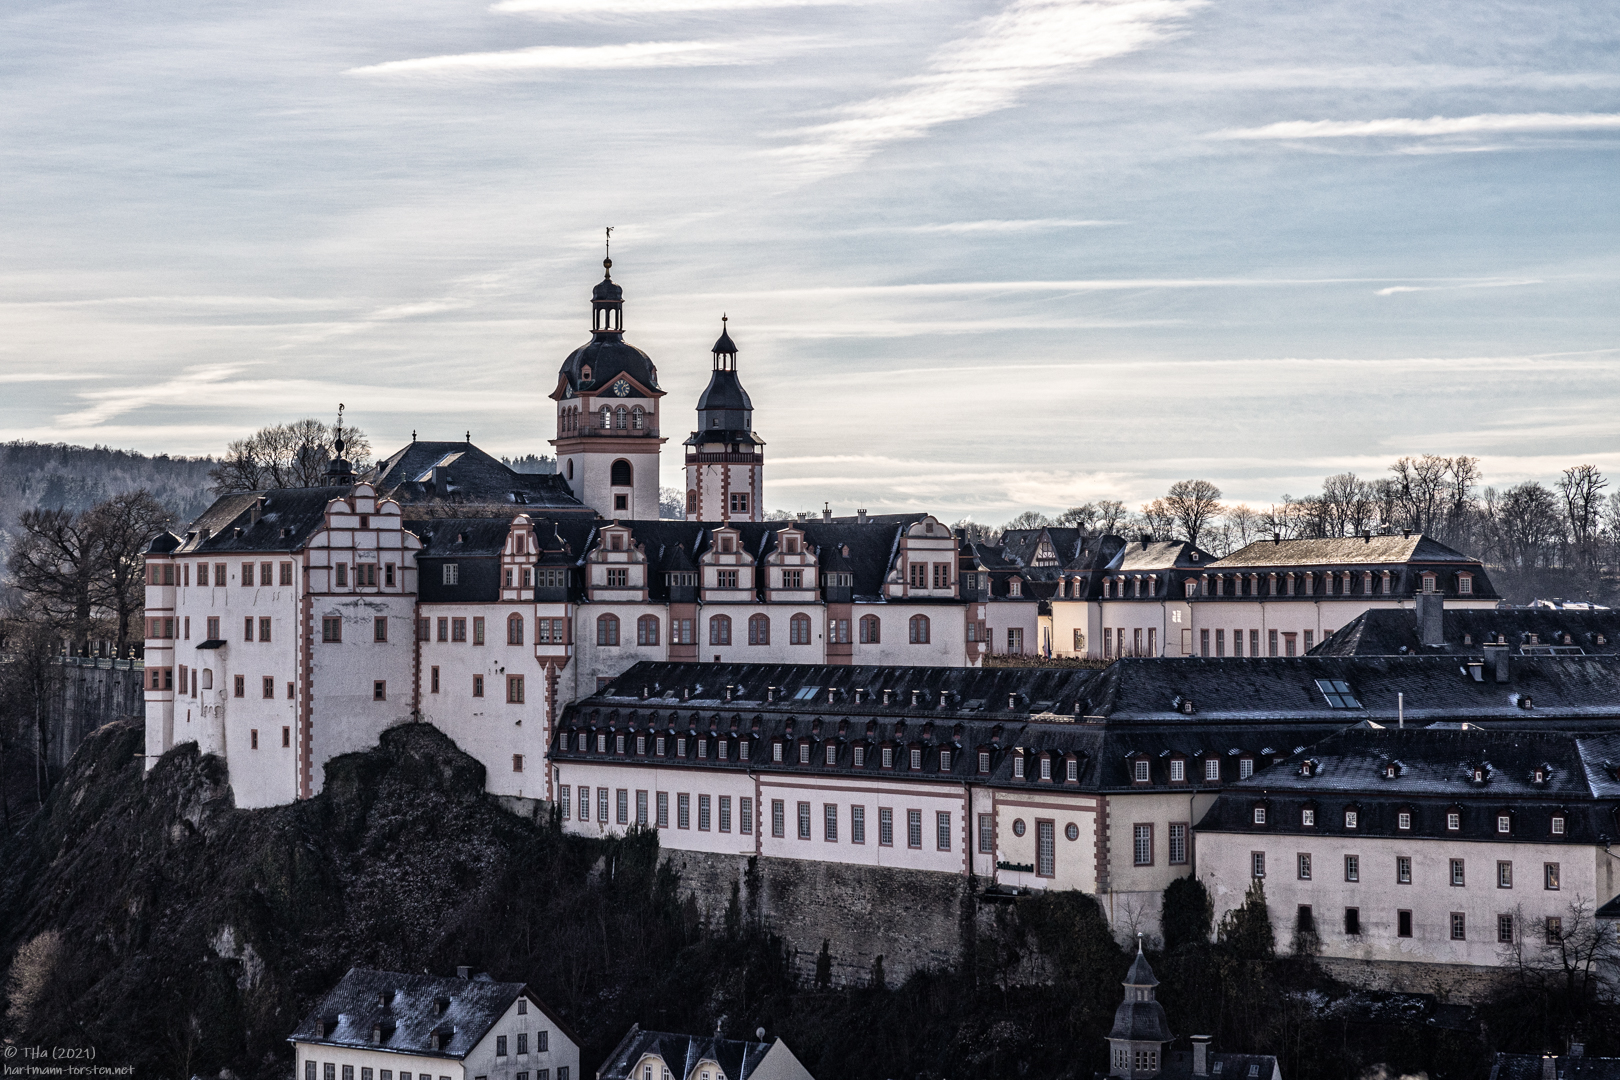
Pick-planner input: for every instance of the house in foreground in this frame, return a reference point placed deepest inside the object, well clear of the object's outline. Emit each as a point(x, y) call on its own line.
point(663, 1055)
point(385, 1025)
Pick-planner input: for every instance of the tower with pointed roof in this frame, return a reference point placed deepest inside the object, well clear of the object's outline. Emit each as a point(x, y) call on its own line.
point(1140, 1037)
point(607, 415)
point(725, 460)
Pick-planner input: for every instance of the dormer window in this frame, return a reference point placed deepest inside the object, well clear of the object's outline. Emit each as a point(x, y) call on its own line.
point(1259, 815)
point(1504, 824)
point(1392, 769)
point(1453, 820)
point(1428, 583)
point(1307, 817)
point(1212, 770)
point(1139, 771)
point(1178, 771)
point(1071, 771)
point(1351, 818)
point(1558, 824)
point(1015, 587)
point(1245, 768)
point(887, 757)
point(776, 752)
point(725, 545)
point(1018, 765)
point(1465, 584)
point(1046, 767)
point(1403, 820)
point(984, 761)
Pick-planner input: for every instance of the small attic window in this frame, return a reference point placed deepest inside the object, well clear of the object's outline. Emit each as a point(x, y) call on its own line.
point(1468, 639)
point(1428, 583)
point(1338, 695)
point(1558, 824)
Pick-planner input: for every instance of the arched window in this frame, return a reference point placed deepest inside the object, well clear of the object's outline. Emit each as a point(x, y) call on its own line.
point(799, 629)
point(871, 630)
point(570, 468)
point(621, 475)
point(691, 501)
point(620, 415)
point(647, 630)
point(759, 630)
point(607, 629)
point(720, 630)
point(637, 418)
point(919, 630)
point(514, 629)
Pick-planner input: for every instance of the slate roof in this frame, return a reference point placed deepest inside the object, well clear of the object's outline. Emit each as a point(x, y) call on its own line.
point(473, 1006)
point(1529, 1067)
point(288, 518)
point(1344, 551)
point(473, 478)
point(1222, 1066)
point(737, 1058)
point(1393, 631)
point(1139, 556)
point(461, 537)
point(1434, 771)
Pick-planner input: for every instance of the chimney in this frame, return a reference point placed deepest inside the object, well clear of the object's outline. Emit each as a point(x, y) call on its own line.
point(1276, 538)
point(1200, 1061)
point(1549, 1067)
point(826, 512)
point(860, 694)
point(944, 699)
point(1500, 653)
point(886, 695)
point(686, 693)
point(1012, 701)
point(1431, 618)
point(463, 972)
point(729, 689)
point(860, 516)
point(385, 998)
point(643, 691)
point(257, 510)
point(915, 694)
point(441, 1005)
point(770, 694)
point(1147, 538)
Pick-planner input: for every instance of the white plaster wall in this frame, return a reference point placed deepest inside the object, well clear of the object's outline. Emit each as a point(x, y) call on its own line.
point(1224, 867)
point(344, 717)
point(561, 1052)
point(1002, 615)
point(652, 779)
point(1074, 862)
point(874, 794)
point(376, 1060)
point(947, 644)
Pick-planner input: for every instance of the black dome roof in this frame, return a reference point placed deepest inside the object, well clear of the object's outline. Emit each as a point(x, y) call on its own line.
point(608, 355)
point(724, 344)
point(607, 290)
point(724, 391)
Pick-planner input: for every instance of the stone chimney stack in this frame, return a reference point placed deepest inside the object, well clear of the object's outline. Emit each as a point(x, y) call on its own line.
point(1431, 609)
point(1200, 1062)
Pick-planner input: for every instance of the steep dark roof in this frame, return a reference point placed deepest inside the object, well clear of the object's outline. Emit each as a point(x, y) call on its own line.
point(474, 1005)
point(724, 392)
point(1141, 973)
point(469, 477)
point(286, 521)
point(1566, 691)
point(465, 537)
point(1529, 1067)
point(1394, 631)
point(737, 1058)
point(1344, 551)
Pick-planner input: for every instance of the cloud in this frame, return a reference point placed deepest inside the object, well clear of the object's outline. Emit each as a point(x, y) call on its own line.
point(595, 9)
point(1393, 289)
point(1028, 44)
point(45, 376)
point(1480, 124)
point(996, 225)
point(638, 54)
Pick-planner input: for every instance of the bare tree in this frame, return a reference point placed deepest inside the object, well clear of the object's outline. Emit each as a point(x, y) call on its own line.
point(1421, 491)
point(1244, 523)
point(1111, 515)
point(1156, 520)
point(29, 679)
point(1347, 506)
point(285, 456)
point(123, 526)
point(1192, 504)
point(1525, 526)
point(53, 563)
point(1029, 519)
point(1083, 517)
point(1582, 490)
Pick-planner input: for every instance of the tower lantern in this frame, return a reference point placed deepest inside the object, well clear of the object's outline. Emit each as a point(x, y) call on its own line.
point(1141, 1033)
point(725, 459)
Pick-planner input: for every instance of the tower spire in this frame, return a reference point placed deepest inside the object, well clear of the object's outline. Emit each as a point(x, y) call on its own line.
point(607, 255)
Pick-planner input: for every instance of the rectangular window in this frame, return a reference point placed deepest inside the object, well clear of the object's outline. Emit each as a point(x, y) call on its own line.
point(778, 818)
point(342, 572)
point(1457, 873)
point(247, 575)
point(885, 826)
point(379, 628)
point(1304, 866)
point(1459, 926)
point(1178, 771)
point(858, 756)
point(241, 686)
point(1352, 921)
point(661, 801)
point(563, 798)
point(683, 811)
point(1504, 875)
point(1555, 929)
point(514, 689)
point(987, 833)
point(1504, 929)
point(1403, 869)
point(584, 802)
point(247, 628)
point(1257, 863)
point(1045, 849)
point(1403, 923)
point(1212, 769)
point(523, 1036)
point(942, 830)
point(458, 630)
point(478, 686)
point(726, 579)
point(829, 820)
point(804, 821)
point(1142, 845)
point(449, 574)
point(253, 739)
point(857, 824)
point(914, 828)
point(264, 628)
point(725, 813)
point(1178, 843)
point(478, 630)
point(379, 690)
point(745, 814)
point(887, 757)
point(1352, 868)
point(704, 819)
point(1549, 876)
point(433, 675)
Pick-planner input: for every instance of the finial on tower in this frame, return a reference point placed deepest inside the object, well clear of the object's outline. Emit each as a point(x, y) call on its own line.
point(337, 441)
point(1139, 943)
point(607, 253)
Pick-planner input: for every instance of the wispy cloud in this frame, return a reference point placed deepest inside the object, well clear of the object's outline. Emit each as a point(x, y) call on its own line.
point(621, 8)
point(1393, 289)
point(1399, 126)
point(638, 54)
point(1000, 225)
point(990, 68)
point(45, 376)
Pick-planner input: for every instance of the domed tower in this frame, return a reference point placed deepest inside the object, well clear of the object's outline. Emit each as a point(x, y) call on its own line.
point(725, 460)
point(1141, 1032)
point(607, 415)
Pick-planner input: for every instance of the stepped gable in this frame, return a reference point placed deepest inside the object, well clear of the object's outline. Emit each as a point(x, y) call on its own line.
point(1527, 630)
point(284, 521)
point(353, 1010)
point(429, 474)
point(1383, 770)
point(736, 1058)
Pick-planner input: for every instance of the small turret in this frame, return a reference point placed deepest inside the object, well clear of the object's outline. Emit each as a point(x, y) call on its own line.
point(1141, 1031)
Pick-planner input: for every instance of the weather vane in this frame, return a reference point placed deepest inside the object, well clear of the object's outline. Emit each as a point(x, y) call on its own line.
point(607, 250)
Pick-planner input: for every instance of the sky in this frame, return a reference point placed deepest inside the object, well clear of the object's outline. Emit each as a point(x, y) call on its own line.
point(977, 257)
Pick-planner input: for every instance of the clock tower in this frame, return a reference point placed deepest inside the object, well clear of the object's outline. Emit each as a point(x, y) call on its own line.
point(725, 460)
point(607, 415)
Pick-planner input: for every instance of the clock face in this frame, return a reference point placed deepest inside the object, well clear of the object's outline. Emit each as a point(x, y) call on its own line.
point(621, 388)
